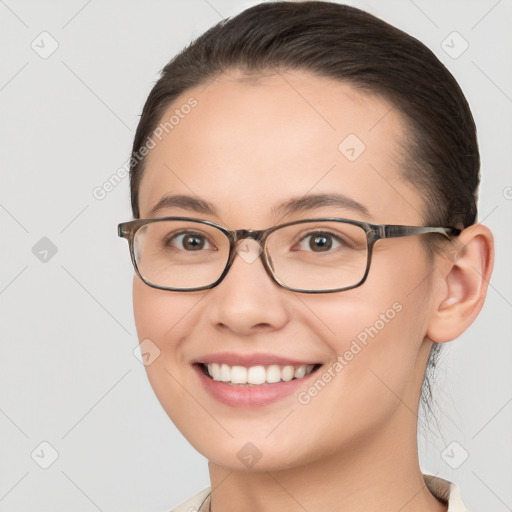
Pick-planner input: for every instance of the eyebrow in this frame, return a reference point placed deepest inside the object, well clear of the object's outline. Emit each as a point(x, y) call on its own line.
point(313, 201)
point(294, 205)
point(185, 202)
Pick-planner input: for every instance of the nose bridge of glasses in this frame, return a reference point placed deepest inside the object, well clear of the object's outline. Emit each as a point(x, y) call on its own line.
point(248, 251)
point(255, 234)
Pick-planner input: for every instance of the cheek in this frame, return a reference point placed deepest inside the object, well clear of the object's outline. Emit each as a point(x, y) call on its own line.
point(162, 319)
point(375, 344)
point(368, 337)
point(161, 315)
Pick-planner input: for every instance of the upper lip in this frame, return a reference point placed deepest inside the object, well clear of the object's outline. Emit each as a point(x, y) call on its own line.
point(248, 360)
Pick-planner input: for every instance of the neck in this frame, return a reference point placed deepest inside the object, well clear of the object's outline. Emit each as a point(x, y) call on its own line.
point(380, 471)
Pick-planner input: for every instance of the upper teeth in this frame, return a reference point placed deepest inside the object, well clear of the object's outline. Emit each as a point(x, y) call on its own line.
point(257, 374)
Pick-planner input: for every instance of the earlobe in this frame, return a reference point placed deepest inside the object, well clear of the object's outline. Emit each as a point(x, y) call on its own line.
point(465, 271)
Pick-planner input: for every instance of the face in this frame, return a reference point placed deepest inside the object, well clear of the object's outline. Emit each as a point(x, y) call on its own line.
point(247, 147)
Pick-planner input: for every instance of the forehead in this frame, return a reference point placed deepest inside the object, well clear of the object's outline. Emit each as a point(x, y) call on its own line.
point(250, 143)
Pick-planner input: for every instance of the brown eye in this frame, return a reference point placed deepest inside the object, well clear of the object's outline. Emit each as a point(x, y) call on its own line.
point(320, 242)
point(189, 242)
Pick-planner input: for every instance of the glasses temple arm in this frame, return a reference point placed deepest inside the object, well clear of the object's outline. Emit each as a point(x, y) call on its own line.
point(396, 231)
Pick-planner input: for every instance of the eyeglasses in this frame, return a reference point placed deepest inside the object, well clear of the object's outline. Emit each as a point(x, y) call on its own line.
point(309, 256)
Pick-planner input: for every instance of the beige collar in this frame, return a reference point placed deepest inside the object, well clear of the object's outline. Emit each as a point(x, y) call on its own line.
point(442, 489)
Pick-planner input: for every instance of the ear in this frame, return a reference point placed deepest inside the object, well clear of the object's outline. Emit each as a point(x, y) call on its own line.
point(464, 273)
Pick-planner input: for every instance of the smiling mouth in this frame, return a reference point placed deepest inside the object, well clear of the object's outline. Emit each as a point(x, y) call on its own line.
point(256, 375)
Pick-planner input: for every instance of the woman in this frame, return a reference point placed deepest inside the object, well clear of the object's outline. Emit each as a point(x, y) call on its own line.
point(306, 177)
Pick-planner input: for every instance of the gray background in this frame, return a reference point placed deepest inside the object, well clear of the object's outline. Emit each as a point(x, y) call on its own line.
point(68, 373)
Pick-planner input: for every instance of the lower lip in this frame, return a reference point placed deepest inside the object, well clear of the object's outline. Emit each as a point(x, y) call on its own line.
point(244, 395)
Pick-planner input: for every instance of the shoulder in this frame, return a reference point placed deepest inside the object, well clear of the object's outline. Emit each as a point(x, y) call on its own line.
point(445, 491)
point(194, 504)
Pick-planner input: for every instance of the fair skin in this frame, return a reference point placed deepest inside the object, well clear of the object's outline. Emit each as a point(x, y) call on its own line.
point(247, 147)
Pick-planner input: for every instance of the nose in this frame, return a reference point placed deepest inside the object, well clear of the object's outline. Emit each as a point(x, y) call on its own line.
point(248, 301)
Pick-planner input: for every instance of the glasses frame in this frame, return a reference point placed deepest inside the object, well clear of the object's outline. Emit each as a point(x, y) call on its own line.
point(374, 232)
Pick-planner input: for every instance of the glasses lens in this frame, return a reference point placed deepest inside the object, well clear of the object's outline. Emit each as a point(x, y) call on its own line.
point(320, 255)
point(180, 254)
